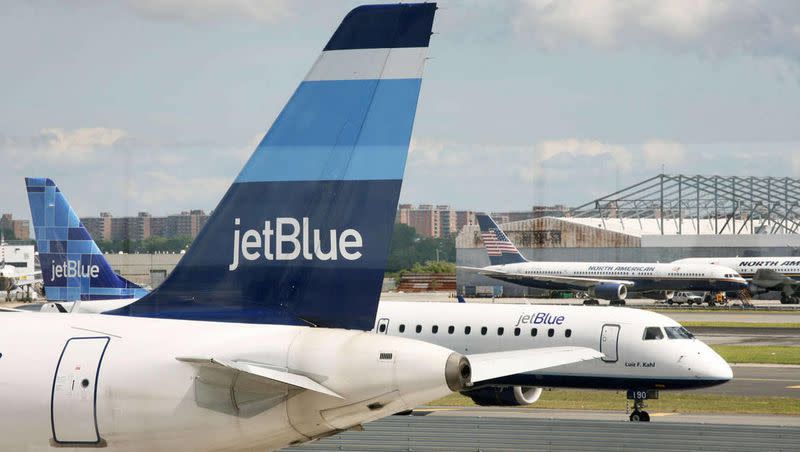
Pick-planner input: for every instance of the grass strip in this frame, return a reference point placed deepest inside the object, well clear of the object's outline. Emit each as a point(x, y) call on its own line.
point(759, 354)
point(670, 402)
point(788, 325)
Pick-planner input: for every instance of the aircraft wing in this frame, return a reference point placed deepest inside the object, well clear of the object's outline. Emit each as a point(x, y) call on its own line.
point(486, 366)
point(262, 371)
point(26, 279)
point(572, 280)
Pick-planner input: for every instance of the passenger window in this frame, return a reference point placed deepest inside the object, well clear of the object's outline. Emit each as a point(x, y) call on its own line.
point(419, 329)
point(568, 333)
point(551, 332)
point(516, 331)
point(435, 329)
point(653, 333)
point(382, 328)
point(534, 332)
point(402, 328)
point(467, 329)
point(484, 330)
point(451, 329)
point(500, 331)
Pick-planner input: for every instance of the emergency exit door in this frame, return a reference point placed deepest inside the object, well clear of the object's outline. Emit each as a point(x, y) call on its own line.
point(74, 397)
point(609, 339)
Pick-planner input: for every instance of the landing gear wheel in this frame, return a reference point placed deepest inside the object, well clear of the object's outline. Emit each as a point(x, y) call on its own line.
point(669, 302)
point(591, 302)
point(640, 416)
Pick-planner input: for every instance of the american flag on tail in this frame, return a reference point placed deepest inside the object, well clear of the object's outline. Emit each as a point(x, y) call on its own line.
point(497, 243)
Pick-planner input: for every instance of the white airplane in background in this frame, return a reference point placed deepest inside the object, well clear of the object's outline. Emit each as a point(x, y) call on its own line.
point(607, 280)
point(12, 279)
point(644, 352)
point(765, 274)
point(259, 339)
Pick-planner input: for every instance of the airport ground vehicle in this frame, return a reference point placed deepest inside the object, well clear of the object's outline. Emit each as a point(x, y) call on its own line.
point(685, 298)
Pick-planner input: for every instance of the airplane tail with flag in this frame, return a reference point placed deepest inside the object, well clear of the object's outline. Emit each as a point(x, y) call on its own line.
point(73, 267)
point(500, 249)
point(302, 236)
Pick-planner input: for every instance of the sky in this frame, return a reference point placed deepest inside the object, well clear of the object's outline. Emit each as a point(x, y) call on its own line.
point(155, 105)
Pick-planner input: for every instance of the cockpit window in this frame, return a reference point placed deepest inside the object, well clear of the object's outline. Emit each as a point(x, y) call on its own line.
point(678, 332)
point(652, 333)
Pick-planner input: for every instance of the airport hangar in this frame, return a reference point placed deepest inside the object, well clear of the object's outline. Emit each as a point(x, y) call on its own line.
point(660, 219)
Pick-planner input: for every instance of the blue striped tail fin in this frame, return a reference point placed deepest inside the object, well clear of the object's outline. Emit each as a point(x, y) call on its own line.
point(73, 267)
point(302, 236)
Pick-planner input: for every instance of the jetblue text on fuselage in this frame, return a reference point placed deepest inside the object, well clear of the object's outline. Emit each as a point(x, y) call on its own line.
point(292, 239)
point(73, 269)
point(540, 318)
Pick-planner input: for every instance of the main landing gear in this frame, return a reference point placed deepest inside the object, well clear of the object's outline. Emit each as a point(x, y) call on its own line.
point(616, 302)
point(787, 299)
point(591, 302)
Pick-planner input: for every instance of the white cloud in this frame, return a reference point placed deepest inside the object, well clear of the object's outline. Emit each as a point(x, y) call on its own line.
point(574, 149)
point(667, 153)
point(708, 27)
point(59, 145)
point(195, 11)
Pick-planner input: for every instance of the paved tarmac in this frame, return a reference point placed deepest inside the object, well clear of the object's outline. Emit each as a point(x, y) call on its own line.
point(758, 381)
point(511, 429)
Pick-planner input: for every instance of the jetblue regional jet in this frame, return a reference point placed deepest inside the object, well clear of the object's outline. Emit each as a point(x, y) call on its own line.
point(607, 280)
point(259, 339)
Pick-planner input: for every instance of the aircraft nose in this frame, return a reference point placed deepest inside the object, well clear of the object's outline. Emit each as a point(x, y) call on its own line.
point(709, 365)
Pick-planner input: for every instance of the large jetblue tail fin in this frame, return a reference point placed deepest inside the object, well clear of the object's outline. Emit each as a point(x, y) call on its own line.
point(73, 268)
point(302, 235)
point(499, 248)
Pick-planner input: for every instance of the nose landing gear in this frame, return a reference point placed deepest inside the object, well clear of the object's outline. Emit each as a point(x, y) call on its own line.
point(638, 397)
point(639, 415)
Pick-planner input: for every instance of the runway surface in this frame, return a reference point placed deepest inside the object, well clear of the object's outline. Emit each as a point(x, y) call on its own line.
point(527, 429)
point(759, 381)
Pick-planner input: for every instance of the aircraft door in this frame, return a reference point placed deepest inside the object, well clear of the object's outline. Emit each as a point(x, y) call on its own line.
point(383, 326)
point(609, 339)
point(74, 397)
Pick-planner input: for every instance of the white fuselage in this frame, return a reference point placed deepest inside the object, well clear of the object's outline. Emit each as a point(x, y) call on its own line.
point(748, 266)
point(82, 377)
point(645, 277)
point(631, 361)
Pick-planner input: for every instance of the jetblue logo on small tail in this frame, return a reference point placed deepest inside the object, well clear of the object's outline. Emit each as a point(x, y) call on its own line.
point(291, 239)
point(73, 269)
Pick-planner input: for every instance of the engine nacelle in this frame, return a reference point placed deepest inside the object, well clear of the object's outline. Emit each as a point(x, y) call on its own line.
point(660, 294)
point(505, 396)
point(609, 291)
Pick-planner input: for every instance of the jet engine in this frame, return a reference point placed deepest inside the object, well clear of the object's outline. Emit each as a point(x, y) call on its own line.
point(609, 291)
point(505, 396)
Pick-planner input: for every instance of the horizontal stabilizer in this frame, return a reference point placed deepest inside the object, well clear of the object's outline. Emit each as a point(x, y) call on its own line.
point(487, 366)
point(262, 371)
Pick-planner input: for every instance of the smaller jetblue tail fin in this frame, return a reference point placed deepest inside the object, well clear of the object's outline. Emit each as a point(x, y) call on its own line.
point(499, 248)
point(73, 267)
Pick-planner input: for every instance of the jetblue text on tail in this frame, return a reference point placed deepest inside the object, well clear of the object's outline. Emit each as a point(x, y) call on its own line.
point(302, 241)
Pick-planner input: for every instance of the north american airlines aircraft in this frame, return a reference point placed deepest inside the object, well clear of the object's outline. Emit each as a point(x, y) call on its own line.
point(765, 274)
point(607, 280)
point(259, 338)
